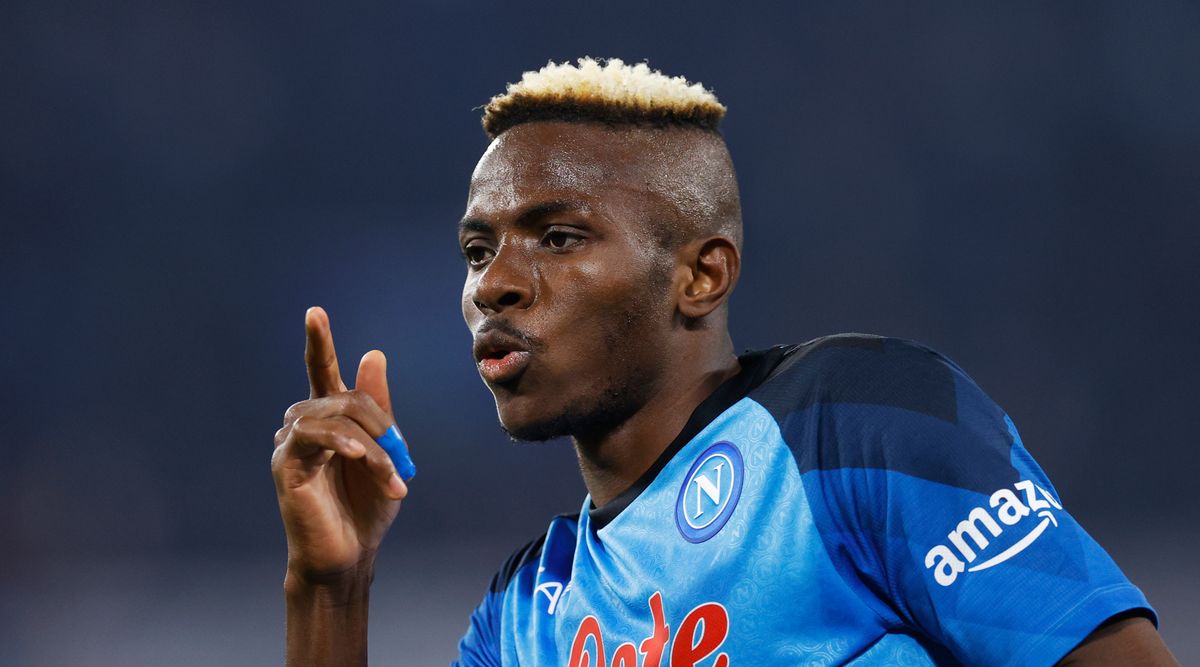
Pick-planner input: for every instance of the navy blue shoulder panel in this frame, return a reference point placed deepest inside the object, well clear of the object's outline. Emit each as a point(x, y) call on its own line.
point(528, 553)
point(861, 401)
point(860, 368)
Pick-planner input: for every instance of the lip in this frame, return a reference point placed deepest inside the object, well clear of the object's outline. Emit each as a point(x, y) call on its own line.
point(506, 368)
point(500, 357)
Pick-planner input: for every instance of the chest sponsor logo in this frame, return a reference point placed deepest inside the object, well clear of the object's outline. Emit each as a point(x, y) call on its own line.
point(710, 492)
point(1026, 506)
point(697, 638)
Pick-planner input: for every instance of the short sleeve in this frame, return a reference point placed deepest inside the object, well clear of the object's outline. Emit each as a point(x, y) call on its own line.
point(480, 646)
point(933, 509)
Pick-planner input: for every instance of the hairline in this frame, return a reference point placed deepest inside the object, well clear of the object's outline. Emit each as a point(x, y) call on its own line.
point(666, 233)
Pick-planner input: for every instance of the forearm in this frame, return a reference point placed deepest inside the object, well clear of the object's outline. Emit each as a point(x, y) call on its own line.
point(327, 621)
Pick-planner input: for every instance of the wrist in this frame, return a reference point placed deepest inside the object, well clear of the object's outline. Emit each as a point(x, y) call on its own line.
point(325, 588)
point(327, 614)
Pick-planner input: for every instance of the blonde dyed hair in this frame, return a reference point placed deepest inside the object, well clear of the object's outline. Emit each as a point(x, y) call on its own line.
point(606, 91)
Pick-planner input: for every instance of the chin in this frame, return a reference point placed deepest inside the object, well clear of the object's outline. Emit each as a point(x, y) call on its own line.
point(531, 427)
point(531, 432)
point(530, 420)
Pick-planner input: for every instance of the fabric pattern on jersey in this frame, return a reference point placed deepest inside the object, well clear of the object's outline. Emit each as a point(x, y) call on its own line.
point(884, 511)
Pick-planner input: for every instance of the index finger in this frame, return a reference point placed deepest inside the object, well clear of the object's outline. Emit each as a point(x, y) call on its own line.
point(320, 357)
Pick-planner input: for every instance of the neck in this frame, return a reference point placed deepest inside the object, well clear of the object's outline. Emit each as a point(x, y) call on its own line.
point(611, 462)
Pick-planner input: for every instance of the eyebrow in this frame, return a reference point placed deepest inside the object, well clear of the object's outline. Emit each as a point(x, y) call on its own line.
point(531, 214)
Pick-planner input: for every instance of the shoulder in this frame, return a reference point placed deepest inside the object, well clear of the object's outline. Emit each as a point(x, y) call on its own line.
point(866, 370)
point(874, 402)
point(526, 555)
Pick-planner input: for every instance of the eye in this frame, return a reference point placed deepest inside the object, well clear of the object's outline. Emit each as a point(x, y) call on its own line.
point(477, 255)
point(561, 239)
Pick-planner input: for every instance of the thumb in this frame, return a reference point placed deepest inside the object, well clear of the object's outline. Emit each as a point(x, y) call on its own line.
point(372, 379)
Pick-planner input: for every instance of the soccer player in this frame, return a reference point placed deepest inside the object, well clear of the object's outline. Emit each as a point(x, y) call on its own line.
point(850, 500)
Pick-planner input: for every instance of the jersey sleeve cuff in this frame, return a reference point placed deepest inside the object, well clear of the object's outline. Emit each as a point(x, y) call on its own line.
point(1074, 626)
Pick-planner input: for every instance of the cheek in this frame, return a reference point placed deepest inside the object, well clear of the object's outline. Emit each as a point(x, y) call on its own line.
point(590, 290)
point(597, 305)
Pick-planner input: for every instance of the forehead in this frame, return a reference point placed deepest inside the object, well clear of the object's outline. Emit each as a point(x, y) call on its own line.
point(588, 162)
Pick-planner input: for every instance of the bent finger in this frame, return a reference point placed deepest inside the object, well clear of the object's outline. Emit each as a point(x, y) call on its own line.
point(311, 435)
point(352, 403)
point(377, 461)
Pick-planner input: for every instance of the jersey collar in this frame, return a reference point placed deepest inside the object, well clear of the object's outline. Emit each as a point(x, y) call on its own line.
point(756, 367)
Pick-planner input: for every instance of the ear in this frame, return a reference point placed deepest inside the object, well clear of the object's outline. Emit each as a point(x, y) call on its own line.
point(707, 271)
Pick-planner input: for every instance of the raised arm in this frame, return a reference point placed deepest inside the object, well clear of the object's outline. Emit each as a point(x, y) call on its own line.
point(338, 495)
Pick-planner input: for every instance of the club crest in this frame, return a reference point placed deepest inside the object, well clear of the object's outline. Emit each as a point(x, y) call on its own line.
point(710, 492)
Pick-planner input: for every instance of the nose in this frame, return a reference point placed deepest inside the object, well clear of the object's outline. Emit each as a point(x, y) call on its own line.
point(506, 282)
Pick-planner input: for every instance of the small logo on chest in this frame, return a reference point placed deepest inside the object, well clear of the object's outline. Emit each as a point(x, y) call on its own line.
point(710, 492)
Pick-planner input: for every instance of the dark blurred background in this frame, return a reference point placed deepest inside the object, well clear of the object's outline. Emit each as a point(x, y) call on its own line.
point(1014, 184)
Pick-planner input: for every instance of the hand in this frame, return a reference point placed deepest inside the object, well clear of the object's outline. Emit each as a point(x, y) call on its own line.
point(338, 490)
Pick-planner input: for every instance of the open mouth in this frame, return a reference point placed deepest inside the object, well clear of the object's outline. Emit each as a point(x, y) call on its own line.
point(502, 366)
point(501, 357)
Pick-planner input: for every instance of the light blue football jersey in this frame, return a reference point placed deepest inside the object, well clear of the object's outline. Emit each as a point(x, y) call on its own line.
point(852, 500)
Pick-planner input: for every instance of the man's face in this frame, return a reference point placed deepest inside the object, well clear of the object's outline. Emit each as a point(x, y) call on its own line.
point(567, 292)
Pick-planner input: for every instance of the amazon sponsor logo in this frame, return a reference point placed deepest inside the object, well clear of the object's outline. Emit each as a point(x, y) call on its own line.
point(1015, 508)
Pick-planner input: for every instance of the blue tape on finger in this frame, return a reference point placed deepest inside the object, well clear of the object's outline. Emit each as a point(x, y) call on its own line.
point(397, 450)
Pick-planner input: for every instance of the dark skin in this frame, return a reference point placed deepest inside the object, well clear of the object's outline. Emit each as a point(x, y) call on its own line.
point(552, 254)
point(603, 259)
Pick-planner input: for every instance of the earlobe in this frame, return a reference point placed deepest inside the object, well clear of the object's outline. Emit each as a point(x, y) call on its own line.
point(713, 265)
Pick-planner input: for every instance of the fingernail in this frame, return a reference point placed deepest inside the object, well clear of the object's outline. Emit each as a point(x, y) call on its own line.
point(397, 486)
